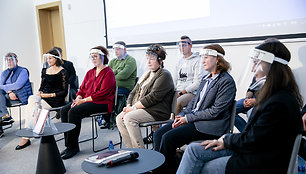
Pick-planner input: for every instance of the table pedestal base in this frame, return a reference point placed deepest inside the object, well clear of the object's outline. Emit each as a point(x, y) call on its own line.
point(49, 159)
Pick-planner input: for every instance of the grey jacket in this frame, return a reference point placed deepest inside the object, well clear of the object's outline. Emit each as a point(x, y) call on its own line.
point(157, 95)
point(213, 116)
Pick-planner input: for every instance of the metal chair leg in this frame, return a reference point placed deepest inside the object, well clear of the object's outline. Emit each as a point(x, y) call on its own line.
point(19, 117)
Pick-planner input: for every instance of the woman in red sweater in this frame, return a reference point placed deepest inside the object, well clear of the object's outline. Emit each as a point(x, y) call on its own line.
point(96, 94)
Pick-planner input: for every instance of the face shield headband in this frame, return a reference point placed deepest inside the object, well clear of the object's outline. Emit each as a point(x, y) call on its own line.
point(183, 43)
point(46, 57)
point(210, 52)
point(152, 50)
point(118, 46)
point(266, 56)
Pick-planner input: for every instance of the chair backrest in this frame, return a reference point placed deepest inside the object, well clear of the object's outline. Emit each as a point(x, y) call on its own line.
point(173, 105)
point(116, 97)
point(292, 168)
point(32, 87)
point(76, 82)
point(233, 114)
point(68, 95)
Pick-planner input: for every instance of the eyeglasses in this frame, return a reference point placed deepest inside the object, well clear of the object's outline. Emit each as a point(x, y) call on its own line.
point(9, 59)
point(153, 48)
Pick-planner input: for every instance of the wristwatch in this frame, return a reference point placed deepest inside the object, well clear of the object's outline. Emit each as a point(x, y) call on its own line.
point(180, 93)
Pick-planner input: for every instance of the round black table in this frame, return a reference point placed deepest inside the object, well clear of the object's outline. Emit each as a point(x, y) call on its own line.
point(148, 160)
point(49, 159)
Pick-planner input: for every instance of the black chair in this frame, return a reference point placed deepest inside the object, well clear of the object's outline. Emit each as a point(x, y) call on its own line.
point(57, 109)
point(160, 123)
point(233, 114)
point(19, 108)
point(94, 129)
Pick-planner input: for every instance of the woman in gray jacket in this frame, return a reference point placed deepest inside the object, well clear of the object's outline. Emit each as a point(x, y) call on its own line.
point(150, 100)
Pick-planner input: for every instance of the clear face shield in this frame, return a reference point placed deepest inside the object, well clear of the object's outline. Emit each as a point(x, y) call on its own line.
point(50, 59)
point(9, 62)
point(96, 57)
point(184, 47)
point(118, 50)
point(257, 67)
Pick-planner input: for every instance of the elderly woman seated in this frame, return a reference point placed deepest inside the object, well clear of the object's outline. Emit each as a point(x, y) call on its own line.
point(150, 100)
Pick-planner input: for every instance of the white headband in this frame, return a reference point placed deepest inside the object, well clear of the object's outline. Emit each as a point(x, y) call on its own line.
point(96, 51)
point(48, 54)
point(280, 60)
point(266, 56)
point(211, 52)
point(118, 46)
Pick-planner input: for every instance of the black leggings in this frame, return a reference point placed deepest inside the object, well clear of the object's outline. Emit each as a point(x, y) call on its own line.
point(75, 115)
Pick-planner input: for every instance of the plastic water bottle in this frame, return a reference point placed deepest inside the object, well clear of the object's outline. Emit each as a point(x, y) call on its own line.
point(99, 120)
point(301, 165)
point(110, 145)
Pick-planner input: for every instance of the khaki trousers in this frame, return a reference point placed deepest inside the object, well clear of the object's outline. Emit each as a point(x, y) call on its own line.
point(183, 101)
point(129, 127)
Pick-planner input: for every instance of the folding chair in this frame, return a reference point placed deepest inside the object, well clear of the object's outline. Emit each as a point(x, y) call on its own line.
point(57, 109)
point(233, 114)
point(292, 168)
point(151, 124)
point(94, 129)
point(19, 108)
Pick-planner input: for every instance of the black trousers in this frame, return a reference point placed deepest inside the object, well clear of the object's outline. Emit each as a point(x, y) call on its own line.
point(75, 115)
point(167, 140)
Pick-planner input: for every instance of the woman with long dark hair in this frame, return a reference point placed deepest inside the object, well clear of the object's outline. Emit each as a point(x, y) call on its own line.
point(265, 145)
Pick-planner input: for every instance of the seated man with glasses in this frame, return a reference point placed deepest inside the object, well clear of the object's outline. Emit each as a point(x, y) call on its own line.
point(15, 87)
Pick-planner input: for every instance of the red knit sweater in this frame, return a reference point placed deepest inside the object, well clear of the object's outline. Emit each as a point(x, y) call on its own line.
point(101, 88)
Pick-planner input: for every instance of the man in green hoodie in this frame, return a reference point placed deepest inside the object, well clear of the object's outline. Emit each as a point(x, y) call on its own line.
point(124, 67)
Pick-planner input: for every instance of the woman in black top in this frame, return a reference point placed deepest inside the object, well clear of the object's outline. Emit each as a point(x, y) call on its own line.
point(55, 85)
point(52, 92)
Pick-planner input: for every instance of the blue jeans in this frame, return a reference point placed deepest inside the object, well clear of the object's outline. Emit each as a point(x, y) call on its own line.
point(4, 102)
point(195, 157)
point(124, 91)
point(240, 123)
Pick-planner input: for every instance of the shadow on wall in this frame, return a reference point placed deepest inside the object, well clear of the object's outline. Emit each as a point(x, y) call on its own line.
point(300, 72)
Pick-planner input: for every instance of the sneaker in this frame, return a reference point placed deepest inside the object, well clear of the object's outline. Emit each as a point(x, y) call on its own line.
point(1, 134)
point(7, 119)
point(148, 139)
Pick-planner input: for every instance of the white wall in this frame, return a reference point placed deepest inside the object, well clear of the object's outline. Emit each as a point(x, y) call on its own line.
point(84, 29)
point(18, 33)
